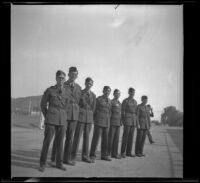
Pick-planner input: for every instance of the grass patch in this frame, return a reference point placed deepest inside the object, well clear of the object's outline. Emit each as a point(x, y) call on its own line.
point(25, 121)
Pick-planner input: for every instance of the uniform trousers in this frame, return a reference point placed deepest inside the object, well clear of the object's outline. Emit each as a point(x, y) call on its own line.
point(81, 128)
point(127, 139)
point(50, 130)
point(113, 140)
point(69, 140)
point(140, 140)
point(103, 132)
point(149, 136)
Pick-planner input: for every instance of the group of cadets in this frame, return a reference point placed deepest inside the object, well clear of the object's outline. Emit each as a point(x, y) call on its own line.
point(70, 112)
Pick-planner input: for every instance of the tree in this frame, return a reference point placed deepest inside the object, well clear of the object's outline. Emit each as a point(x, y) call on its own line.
point(172, 116)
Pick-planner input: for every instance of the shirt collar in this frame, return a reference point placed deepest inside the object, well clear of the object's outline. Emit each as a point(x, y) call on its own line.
point(117, 100)
point(129, 98)
point(87, 92)
point(58, 88)
point(70, 83)
point(105, 98)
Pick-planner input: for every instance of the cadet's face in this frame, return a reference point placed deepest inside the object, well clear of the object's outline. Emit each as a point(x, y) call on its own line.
point(60, 79)
point(107, 92)
point(132, 93)
point(73, 76)
point(117, 94)
point(89, 84)
point(144, 101)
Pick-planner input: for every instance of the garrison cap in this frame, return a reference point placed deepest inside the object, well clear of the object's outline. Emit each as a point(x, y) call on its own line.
point(144, 97)
point(106, 88)
point(131, 89)
point(88, 79)
point(59, 72)
point(73, 69)
point(116, 90)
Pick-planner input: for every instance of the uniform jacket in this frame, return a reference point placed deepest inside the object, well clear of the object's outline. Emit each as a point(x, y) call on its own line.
point(53, 105)
point(129, 107)
point(115, 119)
point(74, 98)
point(102, 112)
point(87, 105)
point(143, 116)
point(150, 114)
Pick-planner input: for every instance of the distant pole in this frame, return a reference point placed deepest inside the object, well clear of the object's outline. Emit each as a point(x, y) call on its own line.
point(29, 107)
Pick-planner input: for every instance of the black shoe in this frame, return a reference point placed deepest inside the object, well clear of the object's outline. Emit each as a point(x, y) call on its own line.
point(52, 164)
point(152, 142)
point(92, 158)
point(72, 163)
point(92, 161)
point(116, 156)
point(42, 168)
point(123, 155)
point(130, 155)
point(61, 167)
point(87, 160)
point(106, 158)
point(140, 155)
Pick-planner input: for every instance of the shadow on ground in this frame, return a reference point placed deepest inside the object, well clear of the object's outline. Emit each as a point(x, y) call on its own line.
point(30, 158)
point(25, 158)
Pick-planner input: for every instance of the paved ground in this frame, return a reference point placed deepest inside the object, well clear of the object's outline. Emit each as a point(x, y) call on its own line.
point(163, 159)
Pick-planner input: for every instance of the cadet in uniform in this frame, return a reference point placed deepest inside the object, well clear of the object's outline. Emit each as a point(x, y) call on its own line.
point(150, 110)
point(72, 112)
point(142, 126)
point(115, 123)
point(55, 115)
point(101, 125)
point(74, 91)
point(87, 106)
point(129, 106)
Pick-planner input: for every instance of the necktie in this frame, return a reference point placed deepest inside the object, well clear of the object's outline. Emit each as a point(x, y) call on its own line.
point(72, 86)
point(60, 91)
point(88, 94)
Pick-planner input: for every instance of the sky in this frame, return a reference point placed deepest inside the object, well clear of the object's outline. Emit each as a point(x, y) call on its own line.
point(139, 46)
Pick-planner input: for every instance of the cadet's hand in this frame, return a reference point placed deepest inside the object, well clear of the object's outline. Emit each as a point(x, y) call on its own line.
point(138, 126)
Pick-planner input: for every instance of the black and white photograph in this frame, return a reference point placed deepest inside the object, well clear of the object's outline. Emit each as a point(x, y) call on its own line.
point(97, 91)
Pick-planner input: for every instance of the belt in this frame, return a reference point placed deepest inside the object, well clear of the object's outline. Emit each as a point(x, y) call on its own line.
point(105, 112)
point(130, 113)
point(88, 109)
point(116, 112)
point(56, 107)
point(73, 103)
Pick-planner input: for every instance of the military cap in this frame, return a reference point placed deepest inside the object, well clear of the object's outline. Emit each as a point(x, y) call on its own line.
point(116, 90)
point(131, 89)
point(144, 97)
point(59, 72)
point(88, 79)
point(106, 88)
point(73, 69)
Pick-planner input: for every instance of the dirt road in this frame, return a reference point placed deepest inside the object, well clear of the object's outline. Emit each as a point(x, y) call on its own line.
point(163, 159)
